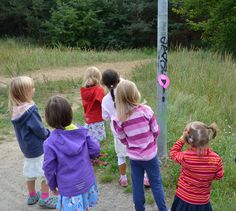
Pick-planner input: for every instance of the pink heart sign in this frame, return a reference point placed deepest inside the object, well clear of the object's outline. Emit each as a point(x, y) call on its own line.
point(164, 81)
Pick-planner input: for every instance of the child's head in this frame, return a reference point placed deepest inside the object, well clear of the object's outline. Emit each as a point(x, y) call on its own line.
point(198, 134)
point(110, 78)
point(21, 90)
point(92, 77)
point(127, 97)
point(58, 112)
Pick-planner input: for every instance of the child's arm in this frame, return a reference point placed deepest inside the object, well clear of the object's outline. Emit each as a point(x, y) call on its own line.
point(105, 114)
point(93, 147)
point(154, 126)
point(49, 167)
point(175, 152)
point(36, 125)
point(220, 171)
point(120, 132)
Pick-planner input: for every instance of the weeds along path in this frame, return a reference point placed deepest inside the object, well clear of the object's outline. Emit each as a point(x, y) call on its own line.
point(124, 68)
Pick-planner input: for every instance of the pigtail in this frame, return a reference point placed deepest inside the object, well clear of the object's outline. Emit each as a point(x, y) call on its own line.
point(113, 95)
point(213, 128)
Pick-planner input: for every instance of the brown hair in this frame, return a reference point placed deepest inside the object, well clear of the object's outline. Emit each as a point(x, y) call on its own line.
point(198, 134)
point(58, 112)
point(127, 97)
point(20, 91)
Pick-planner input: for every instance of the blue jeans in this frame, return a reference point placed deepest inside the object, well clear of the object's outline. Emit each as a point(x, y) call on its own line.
point(153, 172)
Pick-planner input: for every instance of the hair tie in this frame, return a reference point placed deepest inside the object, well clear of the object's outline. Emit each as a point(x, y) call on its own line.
point(190, 138)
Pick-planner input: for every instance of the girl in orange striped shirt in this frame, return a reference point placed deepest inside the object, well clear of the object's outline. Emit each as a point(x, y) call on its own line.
point(200, 166)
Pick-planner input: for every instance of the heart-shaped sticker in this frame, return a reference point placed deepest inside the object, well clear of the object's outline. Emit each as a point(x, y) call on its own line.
point(164, 81)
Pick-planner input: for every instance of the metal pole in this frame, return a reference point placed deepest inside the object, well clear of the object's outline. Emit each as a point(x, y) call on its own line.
point(162, 47)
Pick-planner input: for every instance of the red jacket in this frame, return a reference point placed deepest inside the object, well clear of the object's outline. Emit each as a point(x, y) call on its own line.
point(92, 100)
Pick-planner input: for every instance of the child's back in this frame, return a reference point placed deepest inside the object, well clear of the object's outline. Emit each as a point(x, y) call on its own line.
point(92, 94)
point(200, 166)
point(67, 165)
point(197, 174)
point(29, 130)
point(73, 150)
point(30, 134)
point(92, 99)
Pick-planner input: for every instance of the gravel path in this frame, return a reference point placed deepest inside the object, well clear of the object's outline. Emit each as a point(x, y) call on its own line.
point(13, 188)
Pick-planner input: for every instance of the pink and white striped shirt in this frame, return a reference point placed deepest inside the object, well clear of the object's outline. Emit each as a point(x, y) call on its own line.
point(139, 133)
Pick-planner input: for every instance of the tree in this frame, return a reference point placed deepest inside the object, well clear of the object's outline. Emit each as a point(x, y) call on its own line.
point(215, 19)
point(24, 18)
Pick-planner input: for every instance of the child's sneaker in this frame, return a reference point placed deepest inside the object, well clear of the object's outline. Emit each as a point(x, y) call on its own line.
point(49, 203)
point(146, 181)
point(123, 182)
point(99, 162)
point(33, 199)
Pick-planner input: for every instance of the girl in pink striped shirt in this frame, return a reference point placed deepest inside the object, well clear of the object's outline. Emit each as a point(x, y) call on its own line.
point(137, 129)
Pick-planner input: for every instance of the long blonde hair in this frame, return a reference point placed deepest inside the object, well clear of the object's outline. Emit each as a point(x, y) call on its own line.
point(127, 97)
point(20, 91)
point(198, 134)
point(92, 77)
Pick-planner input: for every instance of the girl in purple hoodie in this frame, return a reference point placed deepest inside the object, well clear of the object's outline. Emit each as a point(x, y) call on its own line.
point(67, 155)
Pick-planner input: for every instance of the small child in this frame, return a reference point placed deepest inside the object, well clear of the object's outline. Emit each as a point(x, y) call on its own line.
point(137, 128)
point(110, 78)
point(200, 166)
point(67, 165)
point(92, 94)
point(30, 135)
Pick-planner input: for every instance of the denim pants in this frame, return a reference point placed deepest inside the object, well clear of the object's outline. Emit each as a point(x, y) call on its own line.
point(153, 172)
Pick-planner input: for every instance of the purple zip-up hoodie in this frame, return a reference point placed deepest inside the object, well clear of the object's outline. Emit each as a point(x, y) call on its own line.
point(67, 164)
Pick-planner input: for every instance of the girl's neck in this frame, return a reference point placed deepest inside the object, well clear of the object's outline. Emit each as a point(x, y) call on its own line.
point(89, 86)
point(201, 150)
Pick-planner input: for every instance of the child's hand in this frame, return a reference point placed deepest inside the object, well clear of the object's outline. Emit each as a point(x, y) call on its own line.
point(55, 192)
point(182, 138)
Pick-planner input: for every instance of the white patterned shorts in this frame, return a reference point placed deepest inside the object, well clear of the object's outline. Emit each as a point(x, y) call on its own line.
point(119, 148)
point(33, 168)
point(97, 130)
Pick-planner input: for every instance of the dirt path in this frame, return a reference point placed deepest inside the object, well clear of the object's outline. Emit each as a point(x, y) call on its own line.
point(124, 68)
point(12, 184)
point(13, 188)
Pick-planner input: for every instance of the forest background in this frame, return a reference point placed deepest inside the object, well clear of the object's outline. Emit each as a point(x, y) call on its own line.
point(118, 24)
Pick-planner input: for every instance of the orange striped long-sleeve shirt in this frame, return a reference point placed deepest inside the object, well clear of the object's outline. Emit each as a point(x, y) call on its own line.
point(197, 173)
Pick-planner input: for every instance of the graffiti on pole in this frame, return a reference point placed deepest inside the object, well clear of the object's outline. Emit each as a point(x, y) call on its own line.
point(163, 79)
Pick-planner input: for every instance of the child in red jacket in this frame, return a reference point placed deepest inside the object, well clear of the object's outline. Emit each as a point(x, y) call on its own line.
point(92, 94)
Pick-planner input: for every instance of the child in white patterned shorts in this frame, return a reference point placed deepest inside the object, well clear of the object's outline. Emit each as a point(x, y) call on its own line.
point(92, 94)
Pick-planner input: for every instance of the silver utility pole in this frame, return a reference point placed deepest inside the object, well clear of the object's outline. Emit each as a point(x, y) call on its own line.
point(162, 46)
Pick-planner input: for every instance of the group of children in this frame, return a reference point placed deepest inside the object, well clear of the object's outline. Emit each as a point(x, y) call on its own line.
point(62, 158)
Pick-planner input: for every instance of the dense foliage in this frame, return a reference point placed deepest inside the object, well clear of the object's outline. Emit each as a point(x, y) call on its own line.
point(106, 24)
point(215, 19)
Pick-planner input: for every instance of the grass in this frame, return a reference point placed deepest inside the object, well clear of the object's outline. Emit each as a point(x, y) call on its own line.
point(18, 57)
point(202, 88)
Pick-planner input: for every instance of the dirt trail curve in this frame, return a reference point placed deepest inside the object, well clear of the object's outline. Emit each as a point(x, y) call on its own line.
point(12, 184)
point(124, 68)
